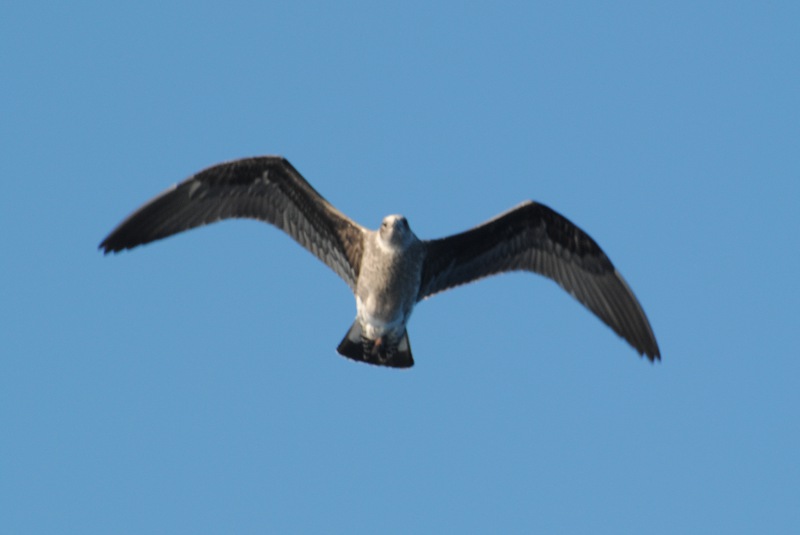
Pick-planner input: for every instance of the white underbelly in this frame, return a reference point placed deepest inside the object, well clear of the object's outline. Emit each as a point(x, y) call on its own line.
point(377, 320)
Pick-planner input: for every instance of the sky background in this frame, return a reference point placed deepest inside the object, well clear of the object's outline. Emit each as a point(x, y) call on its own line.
point(192, 386)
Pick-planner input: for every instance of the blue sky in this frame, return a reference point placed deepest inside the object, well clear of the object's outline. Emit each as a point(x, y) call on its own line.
point(192, 386)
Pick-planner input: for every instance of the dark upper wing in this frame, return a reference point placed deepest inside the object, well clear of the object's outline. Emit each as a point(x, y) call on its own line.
point(267, 188)
point(533, 237)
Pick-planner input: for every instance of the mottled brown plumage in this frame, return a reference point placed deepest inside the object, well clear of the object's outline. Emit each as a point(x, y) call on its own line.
point(390, 269)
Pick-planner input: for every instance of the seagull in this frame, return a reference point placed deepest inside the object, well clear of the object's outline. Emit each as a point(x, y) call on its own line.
point(390, 270)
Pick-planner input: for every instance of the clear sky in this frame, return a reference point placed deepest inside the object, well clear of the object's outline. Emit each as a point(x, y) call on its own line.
point(192, 386)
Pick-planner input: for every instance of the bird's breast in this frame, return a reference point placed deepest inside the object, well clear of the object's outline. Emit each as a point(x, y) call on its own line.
point(387, 289)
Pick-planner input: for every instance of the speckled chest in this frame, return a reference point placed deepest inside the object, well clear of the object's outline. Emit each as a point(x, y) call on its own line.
point(388, 282)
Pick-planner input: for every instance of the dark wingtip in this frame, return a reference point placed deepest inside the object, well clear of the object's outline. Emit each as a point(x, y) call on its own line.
point(107, 246)
point(652, 353)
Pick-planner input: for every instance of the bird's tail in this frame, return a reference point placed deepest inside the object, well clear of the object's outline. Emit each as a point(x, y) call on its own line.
point(355, 346)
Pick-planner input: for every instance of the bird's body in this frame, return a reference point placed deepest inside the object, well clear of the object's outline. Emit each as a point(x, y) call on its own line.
point(390, 270)
point(386, 292)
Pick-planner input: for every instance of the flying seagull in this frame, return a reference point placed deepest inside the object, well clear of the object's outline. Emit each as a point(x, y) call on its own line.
point(390, 270)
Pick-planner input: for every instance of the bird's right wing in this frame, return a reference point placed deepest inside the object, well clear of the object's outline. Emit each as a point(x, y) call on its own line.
point(532, 237)
point(267, 188)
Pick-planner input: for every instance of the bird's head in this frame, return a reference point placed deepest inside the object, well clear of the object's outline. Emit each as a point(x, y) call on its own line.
point(395, 232)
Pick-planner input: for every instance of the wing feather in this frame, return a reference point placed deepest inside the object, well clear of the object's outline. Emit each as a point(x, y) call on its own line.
point(266, 188)
point(533, 237)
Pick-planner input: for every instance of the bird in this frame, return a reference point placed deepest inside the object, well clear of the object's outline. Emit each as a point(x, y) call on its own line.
point(390, 270)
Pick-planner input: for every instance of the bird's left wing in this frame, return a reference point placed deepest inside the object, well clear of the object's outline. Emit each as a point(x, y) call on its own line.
point(267, 188)
point(532, 237)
